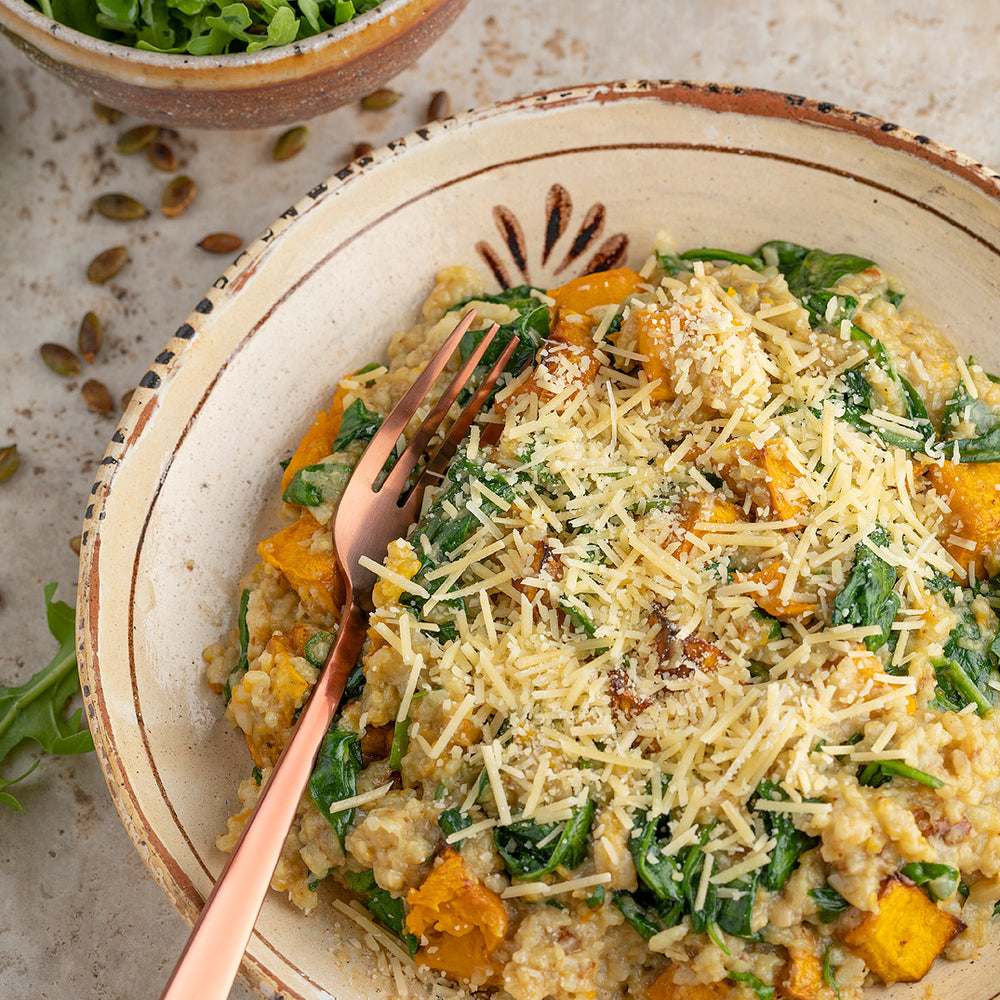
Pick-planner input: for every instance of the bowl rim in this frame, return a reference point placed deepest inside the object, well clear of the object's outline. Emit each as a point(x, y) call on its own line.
point(77, 49)
point(720, 98)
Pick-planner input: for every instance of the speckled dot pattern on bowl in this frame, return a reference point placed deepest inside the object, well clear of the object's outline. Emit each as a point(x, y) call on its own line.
point(536, 190)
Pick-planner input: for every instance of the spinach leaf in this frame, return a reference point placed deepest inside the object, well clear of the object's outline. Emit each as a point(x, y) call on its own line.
point(761, 990)
point(808, 271)
point(400, 744)
point(530, 850)
point(389, 909)
point(323, 482)
point(937, 880)
point(646, 914)
point(34, 710)
point(829, 974)
point(868, 598)
point(451, 821)
point(829, 903)
point(791, 843)
point(357, 423)
point(984, 446)
point(655, 870)
point(335, 776)
point(242, 664)
point(876, 773)
point(971, 661)
point(729, 256)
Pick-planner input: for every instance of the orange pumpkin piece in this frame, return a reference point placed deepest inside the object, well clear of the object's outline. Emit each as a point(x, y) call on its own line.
point(311, 570)
point(803, 978)
point(869, 665)
point(900, 942)
point(592, 290)
point(655, 342)
point(973, 493)
point(770, 580)
point(318, 441)
point(461, 919)
point(699, 512)
point(766, 474)
point(664, 988)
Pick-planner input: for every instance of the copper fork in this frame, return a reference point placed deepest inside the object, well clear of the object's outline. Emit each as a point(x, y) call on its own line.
point(372, 512)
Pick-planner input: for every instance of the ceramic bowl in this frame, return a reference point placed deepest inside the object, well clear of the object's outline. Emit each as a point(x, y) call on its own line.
point(271, 87)
point(540, 189)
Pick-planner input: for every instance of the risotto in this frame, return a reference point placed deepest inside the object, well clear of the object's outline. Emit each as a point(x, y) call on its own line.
point(684, 687)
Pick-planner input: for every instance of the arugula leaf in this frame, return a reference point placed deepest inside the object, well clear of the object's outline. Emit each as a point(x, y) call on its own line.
point(335, 776)
point(34, 710)
point(203, 27)
point(530, 850)
point(389, 909)
point(868, 598)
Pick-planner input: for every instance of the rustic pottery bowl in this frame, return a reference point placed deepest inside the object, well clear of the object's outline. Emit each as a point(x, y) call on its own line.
point(539, 189)
point(271, 87)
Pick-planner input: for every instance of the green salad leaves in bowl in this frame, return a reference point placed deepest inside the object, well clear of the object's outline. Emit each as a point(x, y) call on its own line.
point(216, 64)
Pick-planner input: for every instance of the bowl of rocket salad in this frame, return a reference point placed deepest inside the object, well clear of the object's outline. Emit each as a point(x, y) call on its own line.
point(216, 64)
point(683, 688)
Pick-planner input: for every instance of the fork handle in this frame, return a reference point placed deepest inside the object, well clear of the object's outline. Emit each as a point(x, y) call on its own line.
point(211, 958)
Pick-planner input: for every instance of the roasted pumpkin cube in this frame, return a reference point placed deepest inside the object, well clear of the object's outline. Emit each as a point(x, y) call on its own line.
point(699, 512)
point(592, 290)
point(803, 975)
point(664, 988)
point(309, 565)
point(318, 441)
point(654, 341)
point(769, 581)
point(900, 942)
point(766, 474)
point(972, 490)
point(462, 920)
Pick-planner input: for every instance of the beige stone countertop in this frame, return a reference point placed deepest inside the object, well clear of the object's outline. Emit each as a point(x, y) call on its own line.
point(79, 914)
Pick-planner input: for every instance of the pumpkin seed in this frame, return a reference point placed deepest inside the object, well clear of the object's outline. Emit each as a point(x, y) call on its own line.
point(177, 196)
point(9, 461)
point(126, 399)
point(291, 143)
point(221, 243)
point(90, 337)
point(440, 105)
point(75, 543)
point(105, 114)
point(120, 207)
point(362, 149)
point(136, 139)
point(380, 100)
point(97, 396)
point(162, 156)
point(60, 359)
point(107, 264)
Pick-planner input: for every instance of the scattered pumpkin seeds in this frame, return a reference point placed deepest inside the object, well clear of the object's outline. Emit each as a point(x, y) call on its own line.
point(90, 337)
point(136, 139)
point(9, 461)
point(221, 243)
point(162, 156)
point(362, 149)
point(381, 99)
point(107, 264)
point(105, 114)
point(439, 106)
point(120, 207)
point(291, 143)
point(60, 359)
point(177, 196)
point(75, 542)
point(126, 399)
point(97, 396)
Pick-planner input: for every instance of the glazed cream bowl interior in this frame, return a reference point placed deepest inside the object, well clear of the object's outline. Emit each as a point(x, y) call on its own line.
point(536, 190)
point(271, 87)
